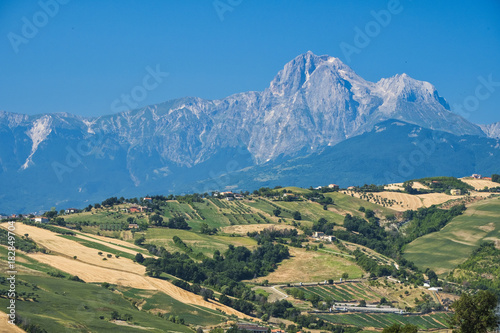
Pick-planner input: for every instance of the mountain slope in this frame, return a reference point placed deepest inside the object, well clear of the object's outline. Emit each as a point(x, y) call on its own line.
point(393, 152)
point(491, 130)
point(314, 102)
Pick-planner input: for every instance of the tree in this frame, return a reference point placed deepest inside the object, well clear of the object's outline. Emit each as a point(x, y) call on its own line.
point(50, 215)
point(474, 313)
point(206, 294)
point(362, 303)
point(127, 317)
point(156, 220)
point(205, 229)
point(297, 216)
point(139, 241)
point(139, 258)
point(345, 276)
point(276, 212)
point(115, 315)
point(495, 178)
point(60, 221)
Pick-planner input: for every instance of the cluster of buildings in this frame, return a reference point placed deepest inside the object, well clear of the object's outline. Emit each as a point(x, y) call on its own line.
point(229, 196)
point(477, 176)
point(137, 209)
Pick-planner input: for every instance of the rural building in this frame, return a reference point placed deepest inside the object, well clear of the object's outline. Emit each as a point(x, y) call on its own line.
point(476, 176)
point(252, 328)
point(487, 178)
point(71, 211)
point(277, 330)
point(455, 191)
point(40, 219)
point(148, 199)
point(238, 196)
point(138, 209)
point(351, 188)
point(321, 236)
point(334, 186)
point(230, 198)
point(133, 226)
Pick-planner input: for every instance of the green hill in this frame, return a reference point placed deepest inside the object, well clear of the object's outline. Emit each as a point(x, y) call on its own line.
point(442, 251)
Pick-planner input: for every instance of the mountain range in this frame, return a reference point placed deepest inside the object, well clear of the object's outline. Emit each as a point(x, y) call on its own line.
point(317, 122)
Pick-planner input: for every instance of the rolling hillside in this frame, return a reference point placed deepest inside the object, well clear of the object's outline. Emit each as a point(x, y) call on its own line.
point(101, 244)
point(442, 251)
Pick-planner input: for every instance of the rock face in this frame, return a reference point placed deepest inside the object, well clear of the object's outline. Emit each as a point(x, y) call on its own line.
point(312, 103)
point(491, 130)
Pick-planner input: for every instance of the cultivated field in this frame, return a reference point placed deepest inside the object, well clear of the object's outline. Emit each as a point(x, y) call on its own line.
point(480, 184)
point(344, 292)
point(430, 199)
point(199, 242)
point(379, 321)
point(399, 186)
point(311, 266)
point(444, 250)
point(396, 201)
point(244, 229)
point(404, 201)
point(90, 267)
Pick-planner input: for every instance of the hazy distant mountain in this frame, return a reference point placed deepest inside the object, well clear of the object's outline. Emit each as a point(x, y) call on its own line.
point(394, 151)
point(491, 130)
point(313, 103)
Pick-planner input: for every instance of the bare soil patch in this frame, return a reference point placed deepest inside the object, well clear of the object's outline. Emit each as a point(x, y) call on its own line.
point(487, 228)
point(5, 327)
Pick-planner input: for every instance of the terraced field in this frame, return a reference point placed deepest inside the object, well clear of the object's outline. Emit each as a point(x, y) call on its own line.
point(345, 292)
point(379, 321)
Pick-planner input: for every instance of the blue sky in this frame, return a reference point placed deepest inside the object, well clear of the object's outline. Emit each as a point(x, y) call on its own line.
point(86, 54)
